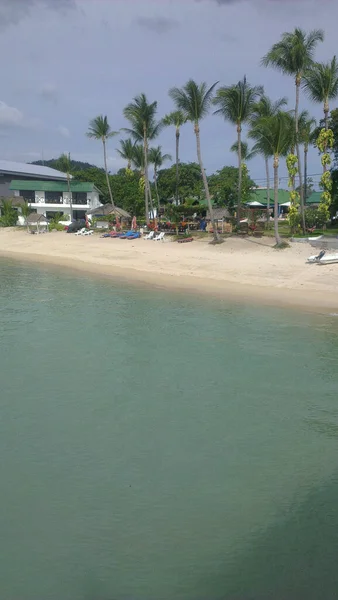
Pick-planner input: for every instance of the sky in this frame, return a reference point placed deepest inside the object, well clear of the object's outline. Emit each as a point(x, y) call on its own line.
point(64, 62)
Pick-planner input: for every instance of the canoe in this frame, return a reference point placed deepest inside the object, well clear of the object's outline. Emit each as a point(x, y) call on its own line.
point(323, 259)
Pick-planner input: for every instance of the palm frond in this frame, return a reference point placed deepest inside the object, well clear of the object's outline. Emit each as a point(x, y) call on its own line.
point(293, 54)
point(236, 102)
point(194, 100)
point(321, 81)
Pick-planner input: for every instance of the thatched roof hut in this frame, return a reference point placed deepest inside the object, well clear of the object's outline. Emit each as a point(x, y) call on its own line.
point(108, 209)
point(220, 213)
point(38, 221)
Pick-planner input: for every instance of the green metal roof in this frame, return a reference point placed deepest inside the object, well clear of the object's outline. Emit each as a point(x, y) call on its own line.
point(314, 198)
point(51, 186)
point(261, 196)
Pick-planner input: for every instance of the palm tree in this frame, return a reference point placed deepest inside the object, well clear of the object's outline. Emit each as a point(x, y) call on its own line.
point(246, 154)
point(157, 159)
point(194, 100)
point(137, 159)
point(177, 119)
point(236, 104)
point(265, 108)
point(142, 116)
point(321, 85)
point(63, 164)
point(26, 211)
point(293, 55)
point(126, 151)
point(275, 135)
point(99, 129)
point(307, 136)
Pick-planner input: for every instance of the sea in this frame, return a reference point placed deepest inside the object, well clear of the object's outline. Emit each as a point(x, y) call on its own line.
point(159, 446)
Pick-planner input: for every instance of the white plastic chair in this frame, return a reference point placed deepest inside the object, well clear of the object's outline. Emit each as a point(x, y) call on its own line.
point(159, 237)
point(149, 236)
point(88, 232)
point(80, 231)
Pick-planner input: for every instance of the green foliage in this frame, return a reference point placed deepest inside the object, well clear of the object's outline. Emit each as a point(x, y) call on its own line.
point(325, 140)
point(193, 100)
point(224, 186)
point(236, 102)
point(75, 165)
point(9, 215)
point(190, 182)
point(294, 53)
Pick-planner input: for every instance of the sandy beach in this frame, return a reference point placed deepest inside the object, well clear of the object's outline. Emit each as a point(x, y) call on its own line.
point(244, 269)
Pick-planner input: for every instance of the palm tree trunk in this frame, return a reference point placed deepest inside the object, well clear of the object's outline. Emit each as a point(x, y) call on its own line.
point(275, 167)
point(305, 171)
point(239, 200)
point(146, 178)
point(151, 202)
point(157, 195)
point(301, 190)
point(70, 197)
point(106, 170)
point(267, 171)
point(326, 118)
point(205, 182)
point(177, 161)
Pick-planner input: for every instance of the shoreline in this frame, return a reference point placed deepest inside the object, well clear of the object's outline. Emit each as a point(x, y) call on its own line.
point(108, 259)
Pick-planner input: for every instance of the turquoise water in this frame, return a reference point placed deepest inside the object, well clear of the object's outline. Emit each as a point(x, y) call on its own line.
point(155, 446)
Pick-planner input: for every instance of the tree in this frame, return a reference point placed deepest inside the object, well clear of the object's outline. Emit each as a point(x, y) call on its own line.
point(262, 109)
point(126, 151)
point(157, 159)
point(9, 215)
point(223, 186)
point(177, 119)
point(99, 129)
point(307, 136)
point(194, 100)
point(246, 154)
point(293, 55)
point(138, 158)
point(63, 164)
point(26, 211)
point(142, 117)
point(236, 103)
point(98, 177)
point(275, 134)
point(321, 85)
point(190, 182)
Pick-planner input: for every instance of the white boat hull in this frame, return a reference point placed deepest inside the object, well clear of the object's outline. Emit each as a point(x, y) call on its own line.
point(327, 259)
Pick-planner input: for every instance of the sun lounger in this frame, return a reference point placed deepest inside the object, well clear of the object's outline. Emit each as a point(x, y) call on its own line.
point(80, 231)
point(88, 232)
point(149, 236)
point(159, 237)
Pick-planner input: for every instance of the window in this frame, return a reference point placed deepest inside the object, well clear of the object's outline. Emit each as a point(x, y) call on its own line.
point(53, 197)
point(28, 196)
point(79, 197)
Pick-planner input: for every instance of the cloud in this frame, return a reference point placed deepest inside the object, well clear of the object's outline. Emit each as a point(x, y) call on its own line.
point(159, 25)
point(64, 131)
point(10, 116)
point(49, 92)
point(13, 11)
point(229, 2)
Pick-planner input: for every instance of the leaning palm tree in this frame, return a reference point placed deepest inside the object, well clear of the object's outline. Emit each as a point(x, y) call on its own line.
point(126, 151)
point(321, 85)
point(177, 119)
point(99, 129)
point(307, 136)
point(293, 55)
point(236, 104)
point(194, 100)
point(143, 127)
point(265, 107)
point(275, 135)
point(63, 164)
point(157, 159)
point(246, 153)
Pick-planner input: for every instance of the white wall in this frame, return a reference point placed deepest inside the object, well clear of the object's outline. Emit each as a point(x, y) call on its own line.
point(93, 200)
point(39, 197)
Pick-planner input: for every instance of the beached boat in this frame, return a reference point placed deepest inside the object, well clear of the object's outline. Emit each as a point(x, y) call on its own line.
point(323, 259)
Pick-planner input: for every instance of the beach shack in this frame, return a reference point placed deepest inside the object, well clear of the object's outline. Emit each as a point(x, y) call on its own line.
point(37, 223)
point(102, 213)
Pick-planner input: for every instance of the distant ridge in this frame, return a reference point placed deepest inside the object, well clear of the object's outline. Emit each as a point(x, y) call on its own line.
point(76, 165)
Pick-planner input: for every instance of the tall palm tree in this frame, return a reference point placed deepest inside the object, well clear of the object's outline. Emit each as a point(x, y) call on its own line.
point(126, 151)
point(293, 55)
point(137, 159)
point(63, 164)
point(235, 104)
point(142, 117)
point(177, 119)
point(157, 159)
point(194, 100)
point(99, 129)
point(321, 85)
point(275, 135)
point(265, 107)
point(246, 153)
point(307, 136)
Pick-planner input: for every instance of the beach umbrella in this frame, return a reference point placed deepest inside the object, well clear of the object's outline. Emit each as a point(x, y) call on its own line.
point(118, 224)
point(286, 204)
point(255, 203)
point(133, 223)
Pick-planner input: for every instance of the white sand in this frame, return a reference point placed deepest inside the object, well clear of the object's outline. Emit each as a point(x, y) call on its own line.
point(245, 269)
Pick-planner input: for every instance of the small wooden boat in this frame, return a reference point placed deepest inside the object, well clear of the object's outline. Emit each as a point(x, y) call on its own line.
point(323, 259)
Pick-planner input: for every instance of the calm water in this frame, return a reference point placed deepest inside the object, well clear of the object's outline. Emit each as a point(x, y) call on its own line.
point(159, 447)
